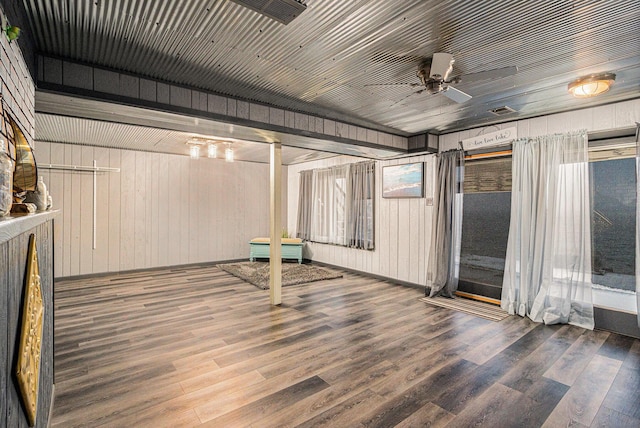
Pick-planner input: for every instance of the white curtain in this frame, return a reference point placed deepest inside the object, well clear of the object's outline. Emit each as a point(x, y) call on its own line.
point(305, 205)
point(329, 205)
point(548, 264)
point(444, 255)
point(638, 221)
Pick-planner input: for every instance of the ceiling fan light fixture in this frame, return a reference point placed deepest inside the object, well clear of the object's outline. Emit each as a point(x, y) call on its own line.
point(592, 85)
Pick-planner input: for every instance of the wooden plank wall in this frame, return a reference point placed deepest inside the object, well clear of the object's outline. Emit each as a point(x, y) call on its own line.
point(13, 255)
point(611, 116)
point(160, 210)
point(403, 226)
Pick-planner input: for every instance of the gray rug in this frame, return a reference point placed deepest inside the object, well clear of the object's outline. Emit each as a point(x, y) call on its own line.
point(257, 273)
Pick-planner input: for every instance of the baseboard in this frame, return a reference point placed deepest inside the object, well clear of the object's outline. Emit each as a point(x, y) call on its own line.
point(151, 269)
point(372, 275)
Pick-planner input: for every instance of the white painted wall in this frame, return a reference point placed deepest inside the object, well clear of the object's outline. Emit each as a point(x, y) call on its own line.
point(160, 210)
point(612, 116)
point(403, 226)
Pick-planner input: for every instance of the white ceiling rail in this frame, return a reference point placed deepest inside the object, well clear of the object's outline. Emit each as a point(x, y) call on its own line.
point(78, 168)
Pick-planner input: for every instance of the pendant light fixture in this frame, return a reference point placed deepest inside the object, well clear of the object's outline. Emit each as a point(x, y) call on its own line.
point(228, 153)
point(194, 151)
point(212, 151)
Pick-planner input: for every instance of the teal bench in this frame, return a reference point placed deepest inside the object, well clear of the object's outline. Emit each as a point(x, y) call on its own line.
point(260, 248)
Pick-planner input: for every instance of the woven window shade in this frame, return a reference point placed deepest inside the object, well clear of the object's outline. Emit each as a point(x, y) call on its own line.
point(487, 175)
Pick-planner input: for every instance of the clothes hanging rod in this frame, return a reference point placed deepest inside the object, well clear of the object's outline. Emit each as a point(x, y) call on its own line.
point(78, 168)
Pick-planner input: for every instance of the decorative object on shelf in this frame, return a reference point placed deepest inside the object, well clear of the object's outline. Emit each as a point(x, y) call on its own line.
point(23, 208)
point(10, 31)
point(39, 197)
point(25, 176)
point(403, 181)
point(6, 178)
point(7, 162)
point(592, 85)
point(28, 363)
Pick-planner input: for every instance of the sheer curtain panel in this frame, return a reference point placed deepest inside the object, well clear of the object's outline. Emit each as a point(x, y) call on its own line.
point(548, 263)
point(361, 193)
point(444, 255)
point(329, 205)
point(305, 205)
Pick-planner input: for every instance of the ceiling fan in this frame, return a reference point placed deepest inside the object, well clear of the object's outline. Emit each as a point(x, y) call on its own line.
point(434, 74)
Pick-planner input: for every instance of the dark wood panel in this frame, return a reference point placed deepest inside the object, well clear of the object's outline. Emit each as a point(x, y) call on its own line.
point(194, 346)
point(4, 330)
point(14, 256)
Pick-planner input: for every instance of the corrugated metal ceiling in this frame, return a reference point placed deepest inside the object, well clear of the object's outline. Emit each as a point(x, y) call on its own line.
point(71, 130)
point(334, 59)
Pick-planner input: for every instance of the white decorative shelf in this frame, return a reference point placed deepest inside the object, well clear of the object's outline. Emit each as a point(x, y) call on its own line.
point(16, 224)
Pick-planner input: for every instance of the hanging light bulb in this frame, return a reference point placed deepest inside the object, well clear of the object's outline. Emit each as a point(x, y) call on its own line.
point(228, 153)
point(194, 151)
point(212, 151)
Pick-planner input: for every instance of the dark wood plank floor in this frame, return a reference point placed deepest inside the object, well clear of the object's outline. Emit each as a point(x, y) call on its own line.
point(198, 347)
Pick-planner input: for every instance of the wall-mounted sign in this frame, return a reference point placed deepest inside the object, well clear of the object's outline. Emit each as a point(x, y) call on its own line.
point(503, 136)
point(28, 365)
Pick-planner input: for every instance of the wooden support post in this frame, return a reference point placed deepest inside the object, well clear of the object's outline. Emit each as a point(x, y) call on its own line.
point(275, 251)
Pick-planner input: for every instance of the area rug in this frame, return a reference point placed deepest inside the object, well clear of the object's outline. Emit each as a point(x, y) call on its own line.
point(257, 273)
point(472, 307)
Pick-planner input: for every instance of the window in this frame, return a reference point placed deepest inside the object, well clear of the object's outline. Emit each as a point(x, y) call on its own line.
point(613, 224)
point(487, 211)
point(336, 205)
point(329, 205)
point(485, 225)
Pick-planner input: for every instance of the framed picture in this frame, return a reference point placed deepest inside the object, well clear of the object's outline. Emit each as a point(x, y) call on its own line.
point(403, 181)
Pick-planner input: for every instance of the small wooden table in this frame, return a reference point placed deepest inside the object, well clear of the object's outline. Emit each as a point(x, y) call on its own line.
point(260, 248)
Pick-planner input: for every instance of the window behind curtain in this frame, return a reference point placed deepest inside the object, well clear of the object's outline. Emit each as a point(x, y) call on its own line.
point(341, 205)
point(485, 225)
point(329, 205)
point(613, 227)
point(487, 202)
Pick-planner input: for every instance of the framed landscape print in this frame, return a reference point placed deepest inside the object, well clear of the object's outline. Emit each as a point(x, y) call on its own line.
point(403, 181)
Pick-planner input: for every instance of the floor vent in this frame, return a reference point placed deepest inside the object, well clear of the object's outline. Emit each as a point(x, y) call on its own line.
point(501, 111)
point(283, 11)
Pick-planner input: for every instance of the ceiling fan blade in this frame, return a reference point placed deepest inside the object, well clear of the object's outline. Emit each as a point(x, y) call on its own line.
point(496, 73)
point(394, 84)
point(455, 94)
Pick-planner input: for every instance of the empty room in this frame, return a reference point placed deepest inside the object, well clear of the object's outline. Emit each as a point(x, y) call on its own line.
point(300, 213)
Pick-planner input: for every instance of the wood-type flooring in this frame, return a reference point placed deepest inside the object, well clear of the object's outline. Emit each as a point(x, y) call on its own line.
point(197, 347)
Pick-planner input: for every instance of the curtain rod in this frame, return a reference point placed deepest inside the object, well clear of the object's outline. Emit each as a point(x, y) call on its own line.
point(78, 168)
